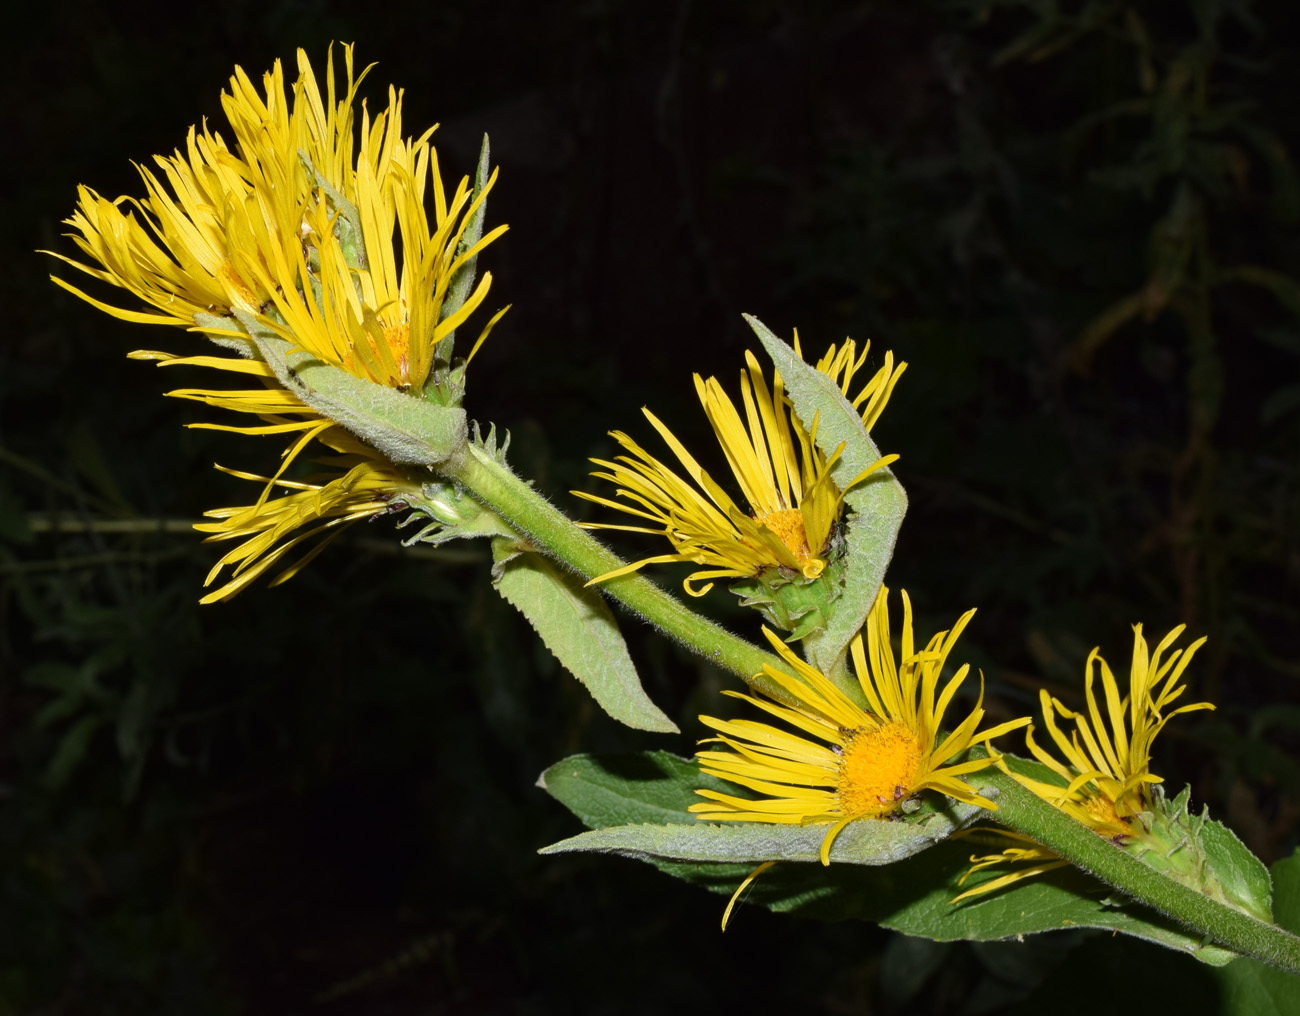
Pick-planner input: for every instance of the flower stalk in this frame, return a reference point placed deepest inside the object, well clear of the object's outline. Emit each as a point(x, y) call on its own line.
point(1018, 809)
point(1022, 811)
point(553, 533)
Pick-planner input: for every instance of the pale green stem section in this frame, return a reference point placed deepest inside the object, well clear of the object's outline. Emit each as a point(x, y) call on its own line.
point(553, 533)
point(1021, 810)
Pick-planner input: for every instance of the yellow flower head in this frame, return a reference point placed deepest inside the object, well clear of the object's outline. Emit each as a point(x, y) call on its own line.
point(1108, 754)
point(1107, 769)
point(310, 230)
point(353, 485)
point(863, 763)
point(291, 229)
point(793, 504)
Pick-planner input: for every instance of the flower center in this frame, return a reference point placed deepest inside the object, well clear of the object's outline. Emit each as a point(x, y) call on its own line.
point(878, 770)
point(1103, 817)
point(787, 524)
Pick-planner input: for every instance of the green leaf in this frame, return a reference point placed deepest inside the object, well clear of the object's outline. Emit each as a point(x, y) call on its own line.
point(868, 841)
point(404, 429)
point(1066, 898)
point(912, 896)
point(579, 628)
point(877, 505)
point(897, 873)
point(1252, 988)
point(1242, 875)
point(462, 283)
point(639, 809)
point(610, 790)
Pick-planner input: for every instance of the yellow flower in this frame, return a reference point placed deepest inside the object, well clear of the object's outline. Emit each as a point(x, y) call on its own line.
point(871, 760)
point(1106, 774)
point(294, 232)
point(356, 484)
point(211, 192)
point(793, 504)
point(309, 230)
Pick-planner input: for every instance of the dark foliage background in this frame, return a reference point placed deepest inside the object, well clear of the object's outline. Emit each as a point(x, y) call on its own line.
point(1077, 222)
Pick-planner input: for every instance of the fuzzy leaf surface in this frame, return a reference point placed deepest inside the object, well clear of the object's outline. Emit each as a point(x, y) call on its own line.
point(1061, 899)
point(613, 790)
point(637, 806)
point(876, 505)
point(405, 429)
point(579, 628)
point(639, 809)
point(1242, 875)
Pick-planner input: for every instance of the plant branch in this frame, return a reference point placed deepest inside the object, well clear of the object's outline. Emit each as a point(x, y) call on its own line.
point(1021, 810)
point(556, 535)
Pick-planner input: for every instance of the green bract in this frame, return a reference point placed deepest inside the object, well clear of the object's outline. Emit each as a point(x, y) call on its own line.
point(876, 506)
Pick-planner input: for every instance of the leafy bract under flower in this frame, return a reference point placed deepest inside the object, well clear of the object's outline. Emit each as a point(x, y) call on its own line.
point(857, 763)
point(1106, 776)
point(793, 503)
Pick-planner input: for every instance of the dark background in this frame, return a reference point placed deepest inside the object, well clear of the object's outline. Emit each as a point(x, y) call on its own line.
point(1078, 228)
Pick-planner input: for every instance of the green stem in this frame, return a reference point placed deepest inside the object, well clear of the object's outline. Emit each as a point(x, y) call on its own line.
point(1021, 810)
point(552, 532)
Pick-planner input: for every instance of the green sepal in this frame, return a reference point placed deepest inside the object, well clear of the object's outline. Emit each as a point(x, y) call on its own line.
point(1202, 854)
point(446, 385)
point(875, 506)
point(578, 627)
point(789, 601)
point(462, 283)
point(448, 513)
point(404, 429)
point(347, 221)
point(640, 806)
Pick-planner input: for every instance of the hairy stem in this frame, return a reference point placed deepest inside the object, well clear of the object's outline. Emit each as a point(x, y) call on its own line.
point(553, 533)
point(495, 486)
point(1021, 810)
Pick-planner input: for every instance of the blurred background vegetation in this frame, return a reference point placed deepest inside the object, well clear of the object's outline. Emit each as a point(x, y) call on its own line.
point(1077, 222)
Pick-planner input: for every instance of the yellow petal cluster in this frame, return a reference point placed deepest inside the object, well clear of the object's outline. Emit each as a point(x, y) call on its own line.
point(352, 485)
point(311, 226)
point(1105, 763)
point(334, 252)
point(850, 763)
point(792, 503)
